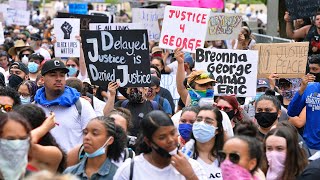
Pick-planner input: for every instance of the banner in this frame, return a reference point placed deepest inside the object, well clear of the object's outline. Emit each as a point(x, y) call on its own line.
point(1, 34)
point(78, 8)
point(66, 30)
point(286, 59)
point(115, 26)
point(119, 56)
point(85, 20)
point(299, 9)
point(234, 70)
point(149, 19)
point(17, 17)
point(168, 81)
point(223, 26)
point(184, 28)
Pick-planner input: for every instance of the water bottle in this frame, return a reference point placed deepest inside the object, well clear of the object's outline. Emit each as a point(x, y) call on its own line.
point(188, 148)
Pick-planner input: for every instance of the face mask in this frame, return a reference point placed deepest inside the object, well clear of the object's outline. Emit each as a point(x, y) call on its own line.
point(100, 151)
point(162, 152)
point(206, 102)
point(197, 95)
point(33, 67)
point(317, 75)
point(14, 81)
point(45, 46)
point(185, 131)
point(276, 162)
point(258, 94)
point(25, 60)
point(13, 157)
point(25, 100)
point(287, 94)
point(266, 119)
point(135, 96)
point(232, 171)
point(72, 71)
point(230, 114)
point(203, 132)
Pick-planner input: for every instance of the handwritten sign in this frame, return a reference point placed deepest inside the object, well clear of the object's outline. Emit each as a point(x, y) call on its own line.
point(149, 18)
point(115, 26)
point(286, 59)
point(78, 8)
point(168, 81)
point(1, 34)
point(185, 28)
point(18, 4)
point(85, 20)
point(66, 30)
point(219, 4)
point(222, 26)
point(234, 70)
point(302, 8)
point(17, 17)
point(121, 56)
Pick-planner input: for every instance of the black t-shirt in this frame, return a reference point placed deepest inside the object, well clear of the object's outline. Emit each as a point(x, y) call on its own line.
point(313, 37)
point(311, 172)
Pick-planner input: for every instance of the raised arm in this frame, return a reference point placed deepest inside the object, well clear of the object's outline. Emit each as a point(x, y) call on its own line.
point(82, 62)
point(112, 89)
point(295, 34)
point(180, 76)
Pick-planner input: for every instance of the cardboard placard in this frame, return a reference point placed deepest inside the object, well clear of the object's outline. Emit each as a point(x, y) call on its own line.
point(302, 8)
point(234, 70)
point(224, 26)
point(286, 59)
point(78, 8)
point(149, 18)
point(85, 20)
point(17, 17)
point(184, 28)
point(168, 81)
point(119, 56)
point(115, 26)
point(66, 30)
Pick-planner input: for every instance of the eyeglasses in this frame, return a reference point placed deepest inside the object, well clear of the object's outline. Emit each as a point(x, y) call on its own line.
point(233, 157)
point(6, 107)
point(224, 108)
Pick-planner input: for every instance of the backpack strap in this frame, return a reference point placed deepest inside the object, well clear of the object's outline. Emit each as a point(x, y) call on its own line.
point(161, 100)
point(154, 105)
point(78, 106)
point(124, 103)
point(81, 152)
point(131, 169)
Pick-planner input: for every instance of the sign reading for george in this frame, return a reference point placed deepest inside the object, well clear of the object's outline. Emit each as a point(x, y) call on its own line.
point(286, 59)
point(119, 56)
point(234, 70)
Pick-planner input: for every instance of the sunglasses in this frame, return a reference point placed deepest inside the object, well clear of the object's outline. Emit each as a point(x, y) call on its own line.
point(233, 157)
point(6, 107)
point(225, 109)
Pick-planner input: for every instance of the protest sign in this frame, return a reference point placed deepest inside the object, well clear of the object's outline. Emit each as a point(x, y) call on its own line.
point(102, 13)
point(234, 70)
point(85, 20)
point(286, 59)
point(115, 26)
point(184, 28)
point(2, 18)
point(1, 34)
point(149, 19)
point(223, 26)
point(119, 56)
point(66, 30)
point(18, 4)
point(3, 10)
point(168, 81)
point(302, 8)
point(17, 17)
point(78, 8)
point(218, 4)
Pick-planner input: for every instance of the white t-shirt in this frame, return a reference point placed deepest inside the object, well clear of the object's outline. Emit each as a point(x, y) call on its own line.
point(143, 170)
point(174, 67)
point(98, 106)
point(44, 53)
point(213, 171)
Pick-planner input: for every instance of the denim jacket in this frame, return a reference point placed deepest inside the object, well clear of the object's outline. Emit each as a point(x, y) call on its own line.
point(106, 171)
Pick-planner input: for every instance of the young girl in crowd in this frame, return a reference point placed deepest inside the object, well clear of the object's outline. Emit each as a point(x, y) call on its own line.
point(103, 141)
point(76, 69)
point(159, 137)
point(188, 117)
point(27, 90)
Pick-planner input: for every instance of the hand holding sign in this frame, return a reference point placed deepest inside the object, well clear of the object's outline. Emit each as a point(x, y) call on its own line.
point(287, 17)
point(112, 88)
point(66, 29)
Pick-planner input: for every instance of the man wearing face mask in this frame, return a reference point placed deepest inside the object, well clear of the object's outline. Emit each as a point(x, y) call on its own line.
point(18, 73)
point(34, 65)
point(24, 54)
point(35, 43)
point(308, 96)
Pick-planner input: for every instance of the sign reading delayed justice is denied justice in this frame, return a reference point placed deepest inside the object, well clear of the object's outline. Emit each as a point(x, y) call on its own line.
point(120, 56)
point(234, 70)
point(288, 60)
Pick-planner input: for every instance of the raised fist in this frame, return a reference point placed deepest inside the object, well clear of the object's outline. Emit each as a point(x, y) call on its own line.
point(67, 29)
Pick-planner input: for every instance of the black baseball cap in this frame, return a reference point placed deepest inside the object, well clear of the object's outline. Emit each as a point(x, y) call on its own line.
point(155, 81)
point(36, 37)
point(19, 65)
point(52, 65)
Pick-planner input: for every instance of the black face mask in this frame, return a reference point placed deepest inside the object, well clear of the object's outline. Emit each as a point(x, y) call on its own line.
point(317, 75)
point(162, 152)
point(230, 114)
point(14, 81)
point(135, 96)
point(266, 119)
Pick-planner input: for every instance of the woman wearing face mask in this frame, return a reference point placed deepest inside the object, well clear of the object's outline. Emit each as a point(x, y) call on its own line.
point(27, 90)
point(34, 65)
point(245, 40)
point(160, 158)
point(187, 118)
point(268, 111)
point(286, 158)
point(24, 54)
point(102, 141)
point(208, 134)
point(240, 158)
point(14, 145)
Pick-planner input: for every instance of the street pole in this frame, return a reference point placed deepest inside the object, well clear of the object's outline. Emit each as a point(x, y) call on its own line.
point(272, 17)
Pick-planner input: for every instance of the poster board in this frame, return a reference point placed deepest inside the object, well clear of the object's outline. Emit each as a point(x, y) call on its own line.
point(302, 8)
point(168, 81)
point(18, 4)
point(17, 17)
point(115, 26)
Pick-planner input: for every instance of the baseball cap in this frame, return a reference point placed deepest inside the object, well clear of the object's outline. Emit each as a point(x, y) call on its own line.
point(21, 66)
point(52, 65)
point(35, 37)
point(200, 77)
point(188, 59)
point(263, 82)
point(156, 49)
point(155, 81)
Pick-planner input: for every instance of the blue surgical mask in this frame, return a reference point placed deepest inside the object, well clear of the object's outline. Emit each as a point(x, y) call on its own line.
point(33, 67)
point(72, 71)
point(25, 100)
point(100, 151)
point(258, 94)
point(185, 131)
point(196, 95)
point(203, 132)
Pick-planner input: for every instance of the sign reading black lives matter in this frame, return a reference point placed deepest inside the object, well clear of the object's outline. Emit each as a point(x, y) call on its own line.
point(66, 30)
point(234, 70)
point(120, 56)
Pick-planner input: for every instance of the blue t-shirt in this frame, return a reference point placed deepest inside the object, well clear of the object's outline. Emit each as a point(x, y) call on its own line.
point(165, 105)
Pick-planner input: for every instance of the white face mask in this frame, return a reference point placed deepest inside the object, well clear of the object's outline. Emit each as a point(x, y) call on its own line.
point(25, 60)
point(13, 157)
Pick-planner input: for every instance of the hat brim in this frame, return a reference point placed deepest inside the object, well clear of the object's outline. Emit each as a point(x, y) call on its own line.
point(204, 81)
point(65, 70)
point(13, 50)
point(262, 86)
